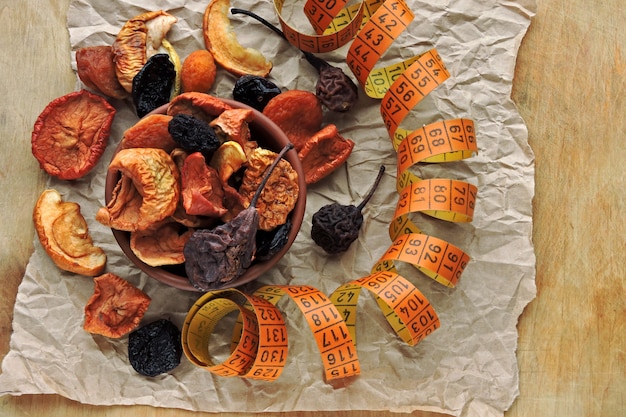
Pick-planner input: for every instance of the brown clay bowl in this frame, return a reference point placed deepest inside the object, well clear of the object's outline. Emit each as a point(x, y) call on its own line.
point(269, 136)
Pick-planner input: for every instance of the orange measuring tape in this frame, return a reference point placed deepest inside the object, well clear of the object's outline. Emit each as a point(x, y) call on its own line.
point(259, 343)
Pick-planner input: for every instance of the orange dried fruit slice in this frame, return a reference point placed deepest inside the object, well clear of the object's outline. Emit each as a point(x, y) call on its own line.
point(64, 235)
point(71, 134)
point(221, 40)
point(139, 39)
point(228, 159)
point(149, 132)
point(115, 308)
point(200, 105)
point(161, 246)
point(198, 71)
point(96, 69)
point(298, 113)
point(323, 153)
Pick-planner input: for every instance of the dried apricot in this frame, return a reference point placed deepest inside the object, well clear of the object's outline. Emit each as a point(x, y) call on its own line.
point(96, 69)
point(71, 134)
point(200, 105)
point(323, 153)
point(198, 71)
point(298, 113)
point(161, 246)
point(149, 132)
point(115, 308)
point(201, 188)
point(221, 41)
point(64, 235)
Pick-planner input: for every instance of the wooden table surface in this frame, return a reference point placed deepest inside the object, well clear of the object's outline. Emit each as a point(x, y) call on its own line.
point(570, 88)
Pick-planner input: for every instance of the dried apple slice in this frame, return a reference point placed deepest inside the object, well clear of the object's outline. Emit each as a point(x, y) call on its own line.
point(228, 159)
point(221, 41)
point(139, 39)
point(64, 235)
point(161, 246)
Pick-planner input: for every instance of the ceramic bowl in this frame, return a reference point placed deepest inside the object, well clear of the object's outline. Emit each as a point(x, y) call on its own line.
point(269, 136)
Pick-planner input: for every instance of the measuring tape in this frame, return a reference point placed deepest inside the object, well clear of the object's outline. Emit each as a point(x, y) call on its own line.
point(259, 344)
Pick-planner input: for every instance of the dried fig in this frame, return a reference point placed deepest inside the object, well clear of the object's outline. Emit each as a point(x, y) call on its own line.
point(64, 235)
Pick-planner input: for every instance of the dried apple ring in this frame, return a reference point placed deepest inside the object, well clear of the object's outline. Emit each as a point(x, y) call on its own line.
point(138, 40)
point(221, 41)
point(64, 235)
point(71, 134)
point(146, 193)
point(115, 308)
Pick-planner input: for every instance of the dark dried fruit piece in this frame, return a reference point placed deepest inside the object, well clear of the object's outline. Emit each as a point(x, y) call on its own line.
point(269, 243)
point(155, 348)
point(255, 91)
point(193, 135)
point(336, 226)
point(152, 86)
point(71, 134)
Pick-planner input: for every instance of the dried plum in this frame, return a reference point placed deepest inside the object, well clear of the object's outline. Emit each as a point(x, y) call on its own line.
point(155, 348)
point(193, 134)
point(255, 91)
point(152, 86)
point(336, 226)
point(269, 243)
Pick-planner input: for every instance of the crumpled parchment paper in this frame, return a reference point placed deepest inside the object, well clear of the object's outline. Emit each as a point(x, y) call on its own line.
point(466, 368)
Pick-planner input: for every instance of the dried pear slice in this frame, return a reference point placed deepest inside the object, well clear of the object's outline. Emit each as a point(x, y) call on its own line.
point(64, 235)
point(139, 39)
point(221, 41)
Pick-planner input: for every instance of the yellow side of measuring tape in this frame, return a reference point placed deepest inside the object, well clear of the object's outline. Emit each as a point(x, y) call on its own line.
point(259, 343)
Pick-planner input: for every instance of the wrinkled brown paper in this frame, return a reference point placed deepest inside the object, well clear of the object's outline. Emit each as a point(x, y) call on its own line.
point(466, 368)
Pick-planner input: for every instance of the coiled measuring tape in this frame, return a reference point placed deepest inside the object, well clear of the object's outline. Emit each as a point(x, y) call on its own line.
point(259, 343)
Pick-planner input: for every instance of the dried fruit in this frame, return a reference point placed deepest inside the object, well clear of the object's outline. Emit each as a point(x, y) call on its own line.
point(198, 71)
point(234, 125)
point(193, 134)
point(323, 153)
point(115, 308)
point(216, 257)
point(139, 39)
point(269, 243)
point(153, 84)
point(200, 105)
point(146, 193)
point(71, 134)
point(96, 69)
point(155, 348)
point(161, 246)
point(336, 226)
point(201, 188)
point(280, 195)
point(334, 88)
point(297, 113)
point(149, 132)
point(220, 39)
point(228, 159)
point(64, 235)
point(255, 91)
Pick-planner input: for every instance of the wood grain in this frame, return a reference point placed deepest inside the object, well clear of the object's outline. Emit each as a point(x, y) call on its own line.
point(569, 88)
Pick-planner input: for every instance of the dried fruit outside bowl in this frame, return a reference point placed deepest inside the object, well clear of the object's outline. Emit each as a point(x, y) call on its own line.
point(269, 136)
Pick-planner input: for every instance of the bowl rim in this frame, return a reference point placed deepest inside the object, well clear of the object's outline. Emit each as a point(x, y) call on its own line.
point(261, 122)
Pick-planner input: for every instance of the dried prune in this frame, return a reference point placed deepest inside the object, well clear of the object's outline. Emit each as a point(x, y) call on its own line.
point(155, 348)
point(255, 91)
point(269, 243)
point(193, 134)
point(335, 226)
point(152, 86)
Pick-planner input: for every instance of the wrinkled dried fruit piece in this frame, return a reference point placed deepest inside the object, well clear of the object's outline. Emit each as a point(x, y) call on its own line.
point(199, 105)
point(138, 40)
point(64, 235)
point(198, 71)
point(234, 125)
point(269, 243)
point(335, 226)
point(281, 191)
point(323, 153)
point(71, 134)
point(96, 69)
point(298, 113)
point(161, 246)
point(228, 159)
point(115, 308)
point(218, 256)
point(193, 134)
point(221, 40)
point(255, 91)
point(150, 132)
point(155, 348)
point(146, 193)
point(153, 84)
point(201, 188)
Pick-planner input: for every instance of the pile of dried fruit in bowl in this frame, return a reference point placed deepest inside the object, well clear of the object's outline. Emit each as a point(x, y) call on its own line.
point(201, 173)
